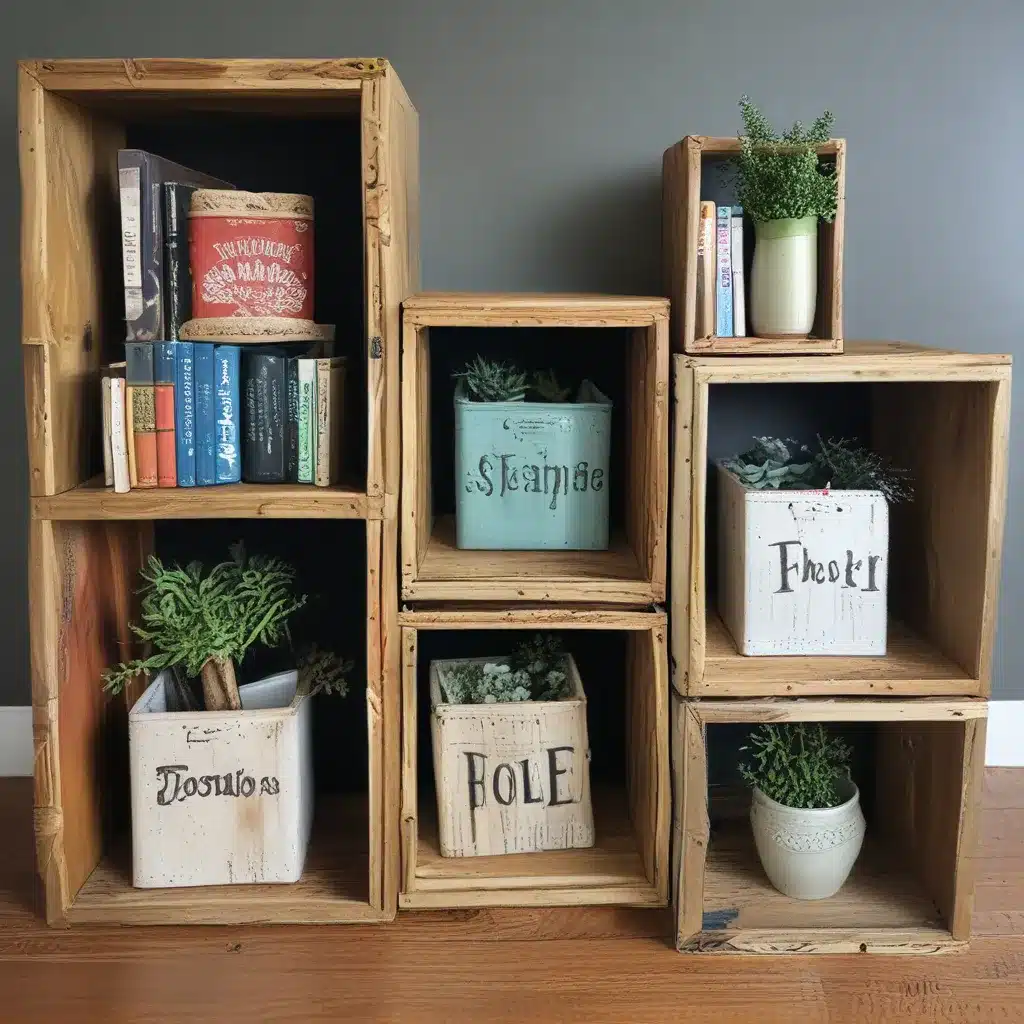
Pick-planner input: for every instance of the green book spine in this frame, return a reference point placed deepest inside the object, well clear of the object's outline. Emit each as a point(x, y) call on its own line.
point(307, 420)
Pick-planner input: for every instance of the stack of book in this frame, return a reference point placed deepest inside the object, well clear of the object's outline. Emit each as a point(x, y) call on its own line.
point(721, 299)
point(193, 414)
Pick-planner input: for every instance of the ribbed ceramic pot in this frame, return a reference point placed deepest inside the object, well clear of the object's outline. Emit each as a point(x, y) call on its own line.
point(784, 277)
point(808, 853)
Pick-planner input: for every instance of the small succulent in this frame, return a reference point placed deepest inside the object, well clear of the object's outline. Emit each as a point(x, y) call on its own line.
point(545, 383)
point(533, 672)
point(773, 462)
point(491, 381)
point(797, 764)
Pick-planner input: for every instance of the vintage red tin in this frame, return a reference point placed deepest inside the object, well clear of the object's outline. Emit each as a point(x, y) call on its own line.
point(251, 254)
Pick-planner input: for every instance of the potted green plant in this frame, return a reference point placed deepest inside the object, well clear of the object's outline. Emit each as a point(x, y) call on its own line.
point(221, 795)
point(805, 811)
point(531, 466)
point(785, 189)
point(511, 756)
point(804, 546)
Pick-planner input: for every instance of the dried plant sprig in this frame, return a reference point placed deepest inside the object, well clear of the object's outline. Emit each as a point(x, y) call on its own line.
point(323, 672)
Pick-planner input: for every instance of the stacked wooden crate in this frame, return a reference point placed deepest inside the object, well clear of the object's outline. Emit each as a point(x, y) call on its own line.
point(921, 707)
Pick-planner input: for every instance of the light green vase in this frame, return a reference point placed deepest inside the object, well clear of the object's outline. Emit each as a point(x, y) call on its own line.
point(784, 277)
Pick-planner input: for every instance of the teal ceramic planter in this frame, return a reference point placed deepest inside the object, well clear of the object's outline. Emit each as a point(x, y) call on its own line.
point(532, 475)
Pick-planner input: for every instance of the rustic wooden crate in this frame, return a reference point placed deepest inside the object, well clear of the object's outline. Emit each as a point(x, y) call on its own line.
point(87, 542)
point(628, 863)
point(682, 168)
point(632, 570)
point(942, 415)
point(912, 889)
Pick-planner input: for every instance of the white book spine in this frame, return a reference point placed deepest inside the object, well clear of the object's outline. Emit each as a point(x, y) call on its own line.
point(739, 305)
point(108, 459)
point(118, 436)
point(723, 273)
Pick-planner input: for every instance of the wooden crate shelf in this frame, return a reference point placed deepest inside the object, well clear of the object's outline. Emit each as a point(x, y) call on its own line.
point(942, 415)
point(629, 862)
point(911, 890)
point(632, 570)
point(684, 167)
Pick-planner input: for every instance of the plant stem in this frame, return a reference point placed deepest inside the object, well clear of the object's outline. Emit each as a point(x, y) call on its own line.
point(220, 690)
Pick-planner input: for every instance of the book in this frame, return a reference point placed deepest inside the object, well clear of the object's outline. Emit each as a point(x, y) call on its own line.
point(164, 373)
point(140, 178)
point(108, 455)
point(226, 393)
point(307, 421)
point(142, 401)
point(129, 427)
point(330, 393)
point(119, 436)
point(723, 273)
point(705, 324)
point(206, 415)
point(185, 412)
point(177, 272)
point(291, 428)
point(739, 299)
point(264, 416)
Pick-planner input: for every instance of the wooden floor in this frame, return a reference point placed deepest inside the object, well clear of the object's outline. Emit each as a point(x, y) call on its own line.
point(587, 964)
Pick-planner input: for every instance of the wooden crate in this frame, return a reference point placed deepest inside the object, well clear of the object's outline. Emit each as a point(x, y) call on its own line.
point(632, 570)
point(912, 888)
point(942, 415)
point(683, 167)
point(87, 542)
point(628, 863)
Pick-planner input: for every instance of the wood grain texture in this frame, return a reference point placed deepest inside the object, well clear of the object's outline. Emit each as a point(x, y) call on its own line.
point(690, 786)
point(391, 767)
point(376, 717)
point(537, 309)
point(540, 617)
point(680, 523)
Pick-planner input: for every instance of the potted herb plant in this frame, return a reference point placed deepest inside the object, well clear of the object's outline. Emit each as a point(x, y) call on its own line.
point(511, 755)
point(531, 466)
point(804, 546)
point(785, 189)
point(221, 795)
point(805, 812)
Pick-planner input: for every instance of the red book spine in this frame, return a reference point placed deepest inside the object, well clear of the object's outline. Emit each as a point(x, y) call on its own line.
point(166, 449)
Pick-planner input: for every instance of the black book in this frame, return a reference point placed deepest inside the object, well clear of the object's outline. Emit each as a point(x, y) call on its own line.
point(264, 415)
point(177, 272)
point(291, 436)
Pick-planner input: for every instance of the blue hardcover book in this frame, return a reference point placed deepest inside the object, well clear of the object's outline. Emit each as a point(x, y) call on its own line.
point(226, 389)
point(185, 413)
point(723, 272)
point(206, 416)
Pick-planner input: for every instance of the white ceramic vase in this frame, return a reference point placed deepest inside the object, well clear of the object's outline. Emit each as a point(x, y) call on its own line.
point(808, 854)
point(784, 277)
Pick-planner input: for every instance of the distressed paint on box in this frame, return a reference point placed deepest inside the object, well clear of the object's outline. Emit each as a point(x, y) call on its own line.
point(221, 798)
point(532, 475)
point(511, 777)
point(802, 571)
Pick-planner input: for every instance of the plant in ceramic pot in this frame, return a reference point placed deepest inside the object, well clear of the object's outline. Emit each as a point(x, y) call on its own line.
point(531, 465)
point(785, 189)
point(511, 755)
point(805, 812)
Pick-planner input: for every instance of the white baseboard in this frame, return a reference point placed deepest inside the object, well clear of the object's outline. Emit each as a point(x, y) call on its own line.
point(1004, 747)
point(15, 740)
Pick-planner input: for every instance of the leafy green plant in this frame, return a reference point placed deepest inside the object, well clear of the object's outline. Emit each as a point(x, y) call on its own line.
point(797, 764)
point(490, 381)
point(323, 672)
point(781, 177)
point(839, 465)
point(533, 672)
point(546, 385)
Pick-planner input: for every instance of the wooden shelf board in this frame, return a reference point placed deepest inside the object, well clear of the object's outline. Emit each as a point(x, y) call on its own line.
point(881, 905)
point(910, 666)
point(614, 575)
point(526, 309)
point(609, 872)
point(333, 887)
point(92, 500)
point(750, 345)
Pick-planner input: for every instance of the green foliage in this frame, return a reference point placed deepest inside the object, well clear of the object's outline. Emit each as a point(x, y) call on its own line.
point(797, 764)
point(839, 465)
point(323, 672)
point(546, 385)
point(190, 616)
point(491, 381)
point(534, 672)
point(782, 177)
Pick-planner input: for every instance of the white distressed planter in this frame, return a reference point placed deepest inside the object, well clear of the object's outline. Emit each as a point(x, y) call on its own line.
point(511, 777)
point(784, 277)
point(831, 596)
point(808, 853)
point(221, 797)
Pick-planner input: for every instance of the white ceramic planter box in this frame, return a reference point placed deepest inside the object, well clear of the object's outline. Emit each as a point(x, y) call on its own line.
point(511, 777)
point(802, 572)
point(221, 797)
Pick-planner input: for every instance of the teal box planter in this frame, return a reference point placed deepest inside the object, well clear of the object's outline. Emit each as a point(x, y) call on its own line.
point(532, 475)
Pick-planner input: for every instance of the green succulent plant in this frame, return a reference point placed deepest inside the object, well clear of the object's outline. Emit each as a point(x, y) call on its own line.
point(533, 672)
point(797, 764)
point(491, 381)
point(546, 385)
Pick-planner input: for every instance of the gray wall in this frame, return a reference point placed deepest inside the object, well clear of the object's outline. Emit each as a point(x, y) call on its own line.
point(543, 125)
